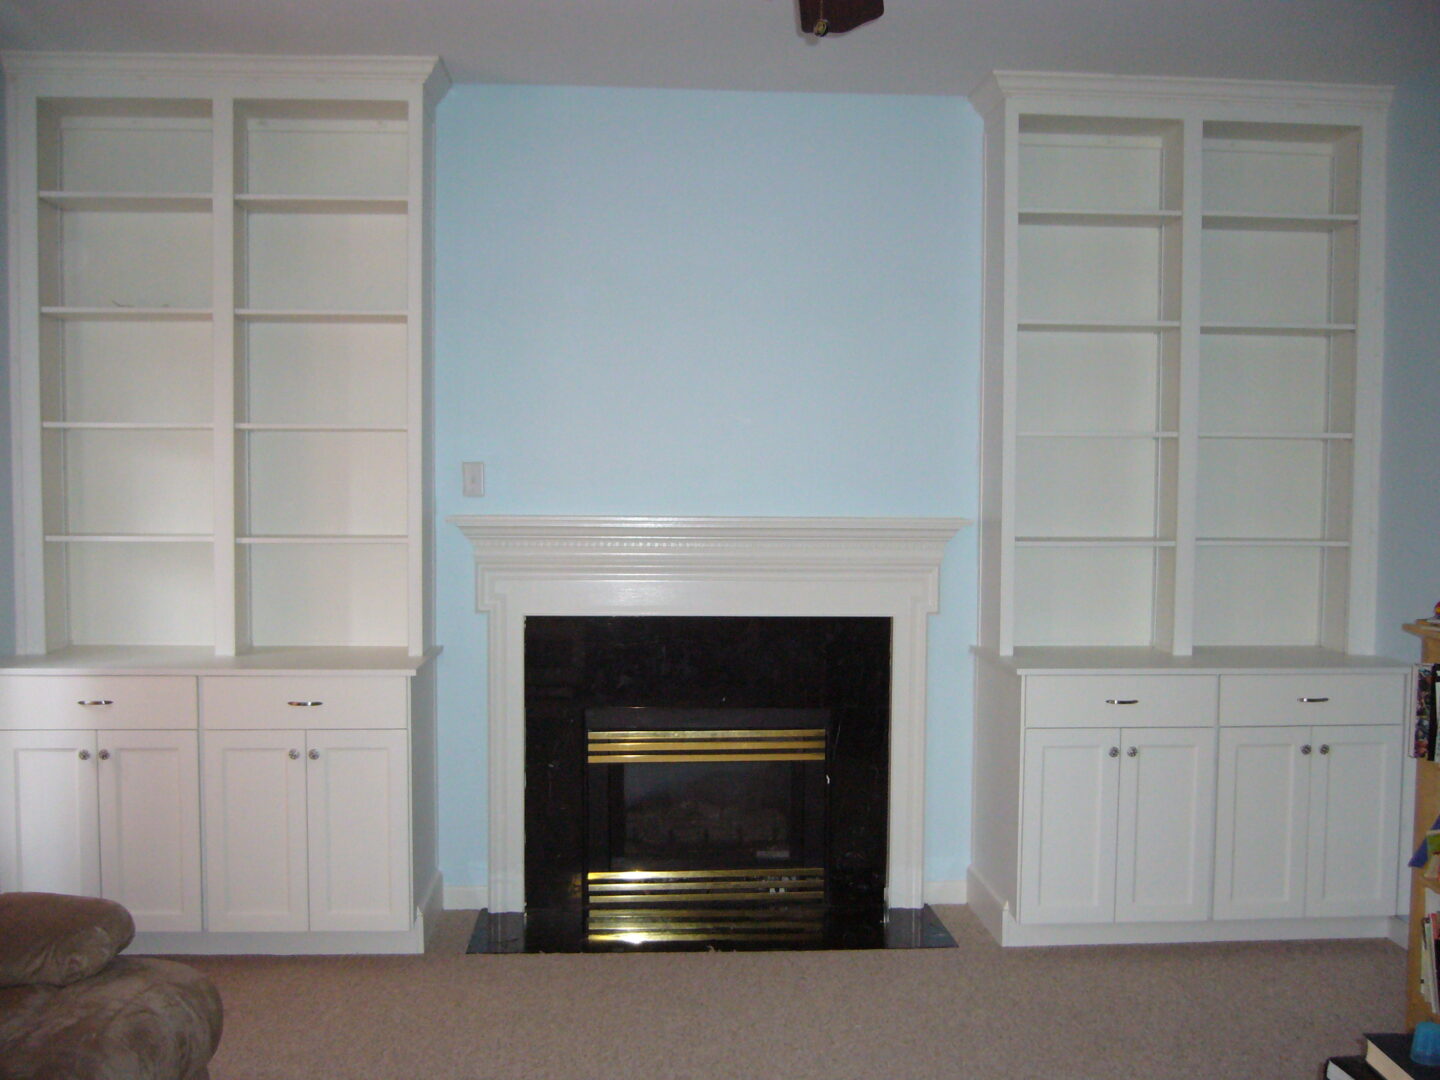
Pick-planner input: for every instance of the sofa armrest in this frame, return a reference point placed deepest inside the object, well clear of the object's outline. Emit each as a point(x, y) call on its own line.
point(55, 939)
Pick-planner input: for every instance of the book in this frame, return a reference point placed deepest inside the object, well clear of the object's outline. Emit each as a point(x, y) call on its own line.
point(1426, 733)
point(1350, 1067)
point(1389, 1055)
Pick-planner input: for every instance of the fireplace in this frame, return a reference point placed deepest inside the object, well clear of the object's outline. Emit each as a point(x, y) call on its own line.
point(532, 567)
point(705, 779)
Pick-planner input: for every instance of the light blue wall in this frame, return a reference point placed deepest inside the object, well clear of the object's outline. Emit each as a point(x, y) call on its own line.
point(673, 302)
point(1410, 491)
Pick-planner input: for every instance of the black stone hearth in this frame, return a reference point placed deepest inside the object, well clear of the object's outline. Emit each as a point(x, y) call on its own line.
point(622, 717)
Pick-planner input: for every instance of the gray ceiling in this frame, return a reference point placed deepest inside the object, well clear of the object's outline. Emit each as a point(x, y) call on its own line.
point(919, 46)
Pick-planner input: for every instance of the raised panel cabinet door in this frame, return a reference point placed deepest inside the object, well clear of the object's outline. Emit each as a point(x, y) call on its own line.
point(359, 830)
point(255, 846)
point(1067, 828)
point(1166, 825)
point(1260, 822)
point(150, 826)
point(1354, 820)
point(49, 837)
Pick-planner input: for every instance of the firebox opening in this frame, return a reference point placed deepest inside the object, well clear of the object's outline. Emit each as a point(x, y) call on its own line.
point(706, 781)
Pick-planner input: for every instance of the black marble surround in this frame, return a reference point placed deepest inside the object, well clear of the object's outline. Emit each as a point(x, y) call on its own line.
point(577, 665)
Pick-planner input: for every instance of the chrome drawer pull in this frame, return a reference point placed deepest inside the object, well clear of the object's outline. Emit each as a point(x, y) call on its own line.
point(1114, 751)
point(1122, 701)
point(304, 704)
point(294, 755)
point(96, 701)
point(104, 755)
point(1313, 700)
point(1305, 749)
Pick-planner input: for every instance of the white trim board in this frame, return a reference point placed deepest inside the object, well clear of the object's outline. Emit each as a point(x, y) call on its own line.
point(733, 566)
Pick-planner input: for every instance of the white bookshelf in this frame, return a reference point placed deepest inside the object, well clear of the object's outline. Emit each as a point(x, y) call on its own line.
point(219, 305)
point(219, 378)
point(1182, 349)
point(1180, 402)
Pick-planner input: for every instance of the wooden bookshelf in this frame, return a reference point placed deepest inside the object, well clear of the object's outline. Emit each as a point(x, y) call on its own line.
point(1427, 807)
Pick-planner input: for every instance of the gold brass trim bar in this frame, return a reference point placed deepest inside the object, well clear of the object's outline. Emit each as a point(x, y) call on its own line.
point(634, 907)
point(786, 872)
point(645, 937)
point(788, 886)
point(628, 747)
point(709, 733)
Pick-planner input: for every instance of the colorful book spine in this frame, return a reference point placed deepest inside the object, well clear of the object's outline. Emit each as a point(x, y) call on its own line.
point(1425, 715)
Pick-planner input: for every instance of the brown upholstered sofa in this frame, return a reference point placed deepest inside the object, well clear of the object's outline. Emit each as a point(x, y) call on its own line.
point(71, 1008)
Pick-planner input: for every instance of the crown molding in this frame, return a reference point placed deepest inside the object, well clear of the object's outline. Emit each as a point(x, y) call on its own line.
point(212, 67)
point(1076, 86)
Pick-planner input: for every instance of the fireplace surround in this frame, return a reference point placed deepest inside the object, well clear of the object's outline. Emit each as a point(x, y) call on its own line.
point(706, 566)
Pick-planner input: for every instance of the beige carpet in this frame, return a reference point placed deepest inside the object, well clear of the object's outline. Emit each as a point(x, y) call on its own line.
point(1273, 1010)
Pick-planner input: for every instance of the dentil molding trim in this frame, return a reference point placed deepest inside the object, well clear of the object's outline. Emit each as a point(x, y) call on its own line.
point(706, 566)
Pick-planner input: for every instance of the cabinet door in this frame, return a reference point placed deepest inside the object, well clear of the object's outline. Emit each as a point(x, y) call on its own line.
point(1354, 820)
point(255, 858)
point(1067, 845)
point(359, 830)
point(1165, 835)
point(49, 838)
point(1260, 822)
point(149, 793)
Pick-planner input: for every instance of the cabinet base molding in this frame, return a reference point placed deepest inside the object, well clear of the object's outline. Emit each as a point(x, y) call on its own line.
point(337, 943)
point(995, 915)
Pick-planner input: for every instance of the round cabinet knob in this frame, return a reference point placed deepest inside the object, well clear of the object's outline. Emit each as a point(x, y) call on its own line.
point(1305, 749)
point(1114, 751)
point(1324, 748)
point(294, 755)
point(314, 755)
point(104, 755)
point(1134, 751)
point(84, 755)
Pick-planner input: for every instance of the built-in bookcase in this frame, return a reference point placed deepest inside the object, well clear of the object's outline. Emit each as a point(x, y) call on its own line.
point(1183, 339)
point(1280, 298)
point(1098, 221)
point(219, 301)
point(124, 222)
point(323, 294)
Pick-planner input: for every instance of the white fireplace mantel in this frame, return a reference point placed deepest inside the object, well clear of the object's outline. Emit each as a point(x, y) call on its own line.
point(887, 567)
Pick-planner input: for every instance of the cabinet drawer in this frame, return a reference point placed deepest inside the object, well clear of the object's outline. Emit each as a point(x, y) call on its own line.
point(291, 701)
point(1120, 700)
point(1312, 699)
point(81, 702)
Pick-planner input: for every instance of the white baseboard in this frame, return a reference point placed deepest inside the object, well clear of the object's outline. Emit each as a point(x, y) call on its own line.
point(223, 943)
point(466, 897)
point(946, 892)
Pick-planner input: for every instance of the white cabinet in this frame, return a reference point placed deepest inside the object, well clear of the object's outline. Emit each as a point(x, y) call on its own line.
point(50, 834)
point(1308, 820)
point(104, 813)
point(307, 830)
point(220, 299)
point(1116, 824)
point(1218, 816)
